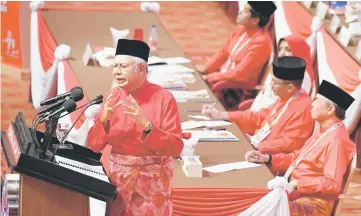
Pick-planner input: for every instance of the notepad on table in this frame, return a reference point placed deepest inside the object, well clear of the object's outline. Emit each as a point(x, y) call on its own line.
point(231, 166)
point(200, 117)
point(209, 124)
point(212, 135)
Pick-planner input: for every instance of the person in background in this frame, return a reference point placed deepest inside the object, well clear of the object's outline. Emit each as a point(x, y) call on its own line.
point(291, 45)
point(284, 126)
point(316, 172)
point(141, 122)
point(242, 57)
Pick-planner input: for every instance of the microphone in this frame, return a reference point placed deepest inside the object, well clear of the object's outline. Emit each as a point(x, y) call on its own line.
point(97, 100)
point(75, 93)
point(77, 96)
point(68, 106)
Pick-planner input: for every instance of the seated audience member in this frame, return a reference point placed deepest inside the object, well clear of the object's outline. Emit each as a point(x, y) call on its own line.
point(244, 54)
point(291, 45)
point(315, 173)
point(287, 124)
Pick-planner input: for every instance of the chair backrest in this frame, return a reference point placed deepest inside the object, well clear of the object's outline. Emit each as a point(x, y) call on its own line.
point(346, 181)
point(265, 70)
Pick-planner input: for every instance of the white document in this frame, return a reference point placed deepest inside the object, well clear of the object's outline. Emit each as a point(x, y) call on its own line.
point(201, 94)
point(200, 117)
point(93, 171)
point(176, 60)
point(213, 135)
point(209, 124)
point(170, 61)
point(168, 84)
point(186, 77)
point(155, 60)
point(170, 69)
point(231, 166)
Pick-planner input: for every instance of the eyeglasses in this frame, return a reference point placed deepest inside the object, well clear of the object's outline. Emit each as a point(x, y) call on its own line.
point(123, 67)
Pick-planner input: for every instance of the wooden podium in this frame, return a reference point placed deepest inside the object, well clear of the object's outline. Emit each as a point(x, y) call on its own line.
point(40, 198)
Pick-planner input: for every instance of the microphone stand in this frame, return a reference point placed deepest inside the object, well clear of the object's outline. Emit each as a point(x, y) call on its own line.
point(67, 133)
point(49, 135)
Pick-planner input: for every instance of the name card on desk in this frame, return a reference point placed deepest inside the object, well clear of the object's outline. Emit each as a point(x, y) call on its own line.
point(355, 28)
point(321, 10)
point(351, 18)
point(307, 4)
point(344, 36)
point(334, 24)
point(88, 56)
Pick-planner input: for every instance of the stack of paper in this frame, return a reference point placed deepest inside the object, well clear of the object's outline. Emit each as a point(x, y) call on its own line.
point(186, 77)
point(176, 60)
point(209, 124)
point(212, 135)
point(199, 95)
point(231, 166)
point(168, 84)
point(154, 60)
point(200, 117)
point(169, 69)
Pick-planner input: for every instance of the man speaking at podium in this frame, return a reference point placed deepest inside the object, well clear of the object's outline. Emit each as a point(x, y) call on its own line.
point(140, 121)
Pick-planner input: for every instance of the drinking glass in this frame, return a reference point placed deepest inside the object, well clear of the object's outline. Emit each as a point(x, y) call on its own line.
point(61, 130)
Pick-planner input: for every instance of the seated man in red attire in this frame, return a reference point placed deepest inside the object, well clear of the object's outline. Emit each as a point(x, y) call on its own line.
point(141, 122)
point(244, 54)
point(291, 45)
point(315, 172)
point(285, 125)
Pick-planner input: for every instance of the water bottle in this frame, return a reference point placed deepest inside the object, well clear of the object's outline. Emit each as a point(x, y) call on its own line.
point(153, 40)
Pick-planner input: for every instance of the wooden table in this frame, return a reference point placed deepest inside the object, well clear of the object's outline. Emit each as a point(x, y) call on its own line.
point(76, 28)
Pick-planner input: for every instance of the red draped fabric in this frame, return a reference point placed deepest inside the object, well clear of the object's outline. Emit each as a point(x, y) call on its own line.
point(47, 46)
point(214, 201)
point(344, 68)
point(299, 24)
